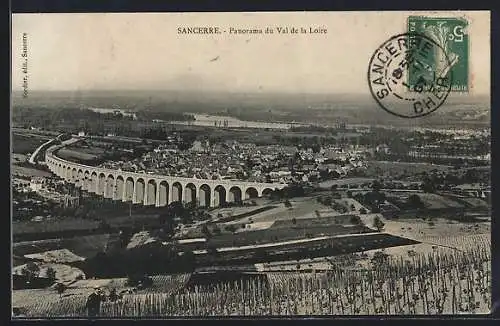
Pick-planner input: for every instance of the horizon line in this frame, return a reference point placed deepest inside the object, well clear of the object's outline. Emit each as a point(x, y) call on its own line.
point(216, 91)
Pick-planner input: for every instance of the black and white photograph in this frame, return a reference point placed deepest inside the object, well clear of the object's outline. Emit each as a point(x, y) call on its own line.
point(250, 164)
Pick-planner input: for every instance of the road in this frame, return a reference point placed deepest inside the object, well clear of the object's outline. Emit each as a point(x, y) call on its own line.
point(33, 156)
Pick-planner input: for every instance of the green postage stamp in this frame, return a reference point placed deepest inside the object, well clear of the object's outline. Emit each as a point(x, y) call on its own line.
point(451, 35)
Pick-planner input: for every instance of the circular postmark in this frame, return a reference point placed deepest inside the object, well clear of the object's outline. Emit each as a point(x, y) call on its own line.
point(410, 75)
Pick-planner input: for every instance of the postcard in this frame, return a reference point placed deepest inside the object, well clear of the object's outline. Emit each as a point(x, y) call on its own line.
point(171, 165)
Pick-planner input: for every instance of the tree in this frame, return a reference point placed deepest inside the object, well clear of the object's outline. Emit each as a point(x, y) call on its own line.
point(60, 288)
point(31, 270)
point(349, 194)
point(378, 224)
point(51, 273)
point(376, 186)
point(124, 237)
point(113, 296)
point(206, 231)
point(428, 185)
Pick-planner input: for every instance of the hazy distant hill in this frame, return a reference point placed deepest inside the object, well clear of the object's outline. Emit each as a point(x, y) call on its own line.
point(312, 108)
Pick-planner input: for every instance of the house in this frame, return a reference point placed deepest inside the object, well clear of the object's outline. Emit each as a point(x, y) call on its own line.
point(36, 184)
point(384, 148)
point(198, 146)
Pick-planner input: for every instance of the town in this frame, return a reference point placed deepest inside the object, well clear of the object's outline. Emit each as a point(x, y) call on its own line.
point(398, 188)
point(253, 171)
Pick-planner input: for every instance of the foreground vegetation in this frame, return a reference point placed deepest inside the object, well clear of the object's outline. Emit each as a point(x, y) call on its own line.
point(436, 283)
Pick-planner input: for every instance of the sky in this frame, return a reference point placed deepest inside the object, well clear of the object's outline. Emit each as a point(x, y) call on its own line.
point(143, 51)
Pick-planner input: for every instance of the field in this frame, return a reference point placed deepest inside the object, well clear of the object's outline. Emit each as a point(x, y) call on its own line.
point(116, 218)
point(23, 143)
point(474, 203)
point(85, 246)
point(76, 155)
point(397, 170)
point(53, 225)
point(418, 229)
point(72, 302)
point(301, 208)
point(434, 201)
point(300, 249)
point(288, 232)
point(349, 203)
point(18, 170)
point(452, 283)
point(346, 181)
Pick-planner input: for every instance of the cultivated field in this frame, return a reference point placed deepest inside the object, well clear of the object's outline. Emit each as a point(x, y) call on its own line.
point(76, 154)
point(301, 208)
point(396, 170)
point(345, 181)
point(17, 170)
point(84, 246)
point(23, 143)
point(434, 201)
point(437, 283)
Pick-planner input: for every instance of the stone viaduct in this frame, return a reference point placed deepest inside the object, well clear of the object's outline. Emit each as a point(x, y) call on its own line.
point(152, 189)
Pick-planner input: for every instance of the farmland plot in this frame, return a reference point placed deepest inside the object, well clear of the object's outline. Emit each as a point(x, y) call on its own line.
point(452, 283)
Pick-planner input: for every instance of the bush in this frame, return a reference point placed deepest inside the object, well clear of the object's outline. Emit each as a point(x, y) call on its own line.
point(205, 231)
point(414, 201)
point(51, 273)
point(230, 228)
point(31, 270)
point(60, 288)
point(356, 220)
point(378, 224)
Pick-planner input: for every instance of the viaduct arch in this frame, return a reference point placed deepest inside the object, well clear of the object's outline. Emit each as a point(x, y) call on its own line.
point(152, 189)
